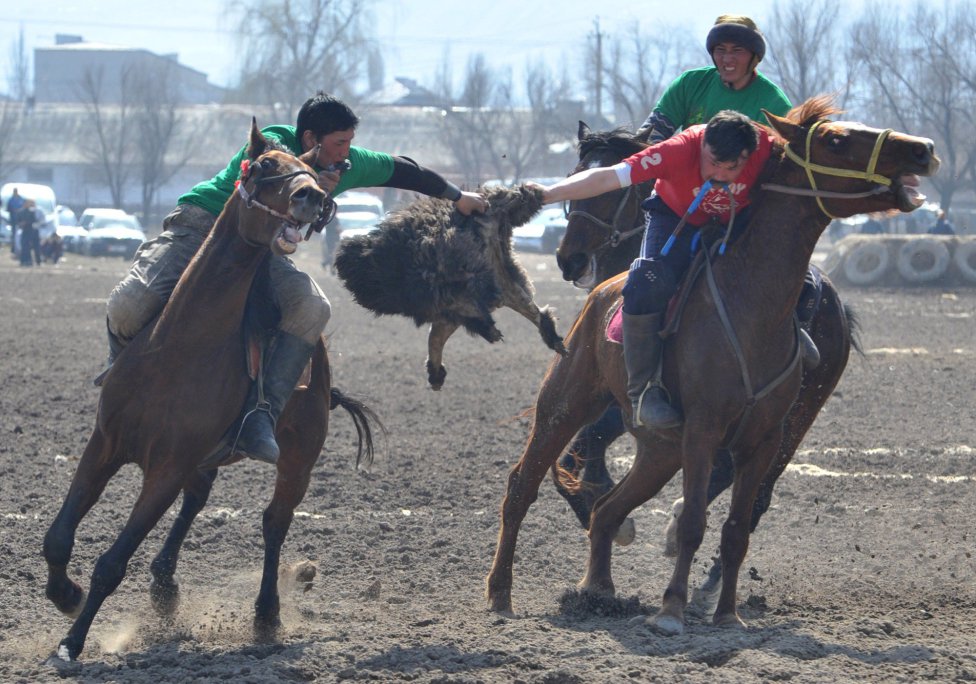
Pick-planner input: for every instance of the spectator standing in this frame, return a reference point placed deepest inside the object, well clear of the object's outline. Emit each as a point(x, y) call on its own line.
point(14, 205)
point(30, 219)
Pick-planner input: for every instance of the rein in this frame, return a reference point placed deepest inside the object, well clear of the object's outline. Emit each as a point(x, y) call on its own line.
point(616, 234)
point(882, 183)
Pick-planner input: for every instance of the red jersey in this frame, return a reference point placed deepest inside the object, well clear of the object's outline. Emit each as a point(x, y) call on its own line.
point(676, 164)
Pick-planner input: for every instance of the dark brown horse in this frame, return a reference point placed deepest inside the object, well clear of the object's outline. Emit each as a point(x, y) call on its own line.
point(732, 367)
point(176, 391)
point(602, 238)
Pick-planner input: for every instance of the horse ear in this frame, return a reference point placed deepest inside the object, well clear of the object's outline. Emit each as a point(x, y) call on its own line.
point(311, 156)
point(258, 144)
point(787, 129)
point(583, 130)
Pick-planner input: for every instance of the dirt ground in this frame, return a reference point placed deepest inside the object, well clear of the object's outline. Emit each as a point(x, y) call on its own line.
point(861, 571)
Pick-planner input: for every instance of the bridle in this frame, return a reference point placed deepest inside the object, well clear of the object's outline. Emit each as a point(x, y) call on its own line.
point(616, 233)
point(250, 199)
point(882, 183)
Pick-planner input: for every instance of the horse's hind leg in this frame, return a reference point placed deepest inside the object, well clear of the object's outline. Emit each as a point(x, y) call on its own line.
point(93, 473)
point(163, 590)
point(159, 490)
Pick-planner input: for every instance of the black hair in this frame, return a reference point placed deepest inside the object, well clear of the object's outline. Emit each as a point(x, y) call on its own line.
point(729, 134)
point(323, 114)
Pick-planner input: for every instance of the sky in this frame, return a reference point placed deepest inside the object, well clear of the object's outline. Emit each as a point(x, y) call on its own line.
point(416, 35)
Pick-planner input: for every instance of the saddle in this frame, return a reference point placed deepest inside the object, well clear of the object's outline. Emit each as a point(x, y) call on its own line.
point(806, 307)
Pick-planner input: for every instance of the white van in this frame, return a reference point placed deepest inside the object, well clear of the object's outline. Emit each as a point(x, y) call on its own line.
point(43, 197)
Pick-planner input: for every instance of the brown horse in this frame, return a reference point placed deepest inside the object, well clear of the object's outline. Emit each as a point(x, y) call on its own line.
point(602, 238)
point(176, 391)
point(733, 367)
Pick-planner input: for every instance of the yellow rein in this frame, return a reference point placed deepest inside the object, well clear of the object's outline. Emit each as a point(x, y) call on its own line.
point(811, 168)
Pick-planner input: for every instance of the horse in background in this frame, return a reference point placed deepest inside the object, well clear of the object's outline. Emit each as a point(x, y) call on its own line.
point(734, 366)
point(190, 367)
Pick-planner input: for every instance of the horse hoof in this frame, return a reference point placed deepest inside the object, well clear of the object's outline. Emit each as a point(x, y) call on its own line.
point(501, 605)
point(728, 621)
point(266, 631)
point(671, 531)
point(667, 624)
point(626, 533)
point(165, 597)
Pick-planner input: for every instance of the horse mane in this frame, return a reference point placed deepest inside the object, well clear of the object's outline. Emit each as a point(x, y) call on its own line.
point(619, 140)
point(814, 109)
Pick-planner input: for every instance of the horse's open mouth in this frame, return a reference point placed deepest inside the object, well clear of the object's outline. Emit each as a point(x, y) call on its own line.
point(587, 279)
point(287, 239)
point(907, 193)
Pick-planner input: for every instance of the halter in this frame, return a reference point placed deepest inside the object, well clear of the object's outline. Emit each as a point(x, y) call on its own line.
point(616, 234)
point(882, 183)
point(252, 201)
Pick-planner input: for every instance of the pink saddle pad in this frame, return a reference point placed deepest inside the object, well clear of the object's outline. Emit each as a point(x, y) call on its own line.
point(615, 327)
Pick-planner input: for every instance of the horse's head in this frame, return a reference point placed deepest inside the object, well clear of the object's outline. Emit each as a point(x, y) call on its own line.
point(851, 168)
point(281, 193)
point(603, 222)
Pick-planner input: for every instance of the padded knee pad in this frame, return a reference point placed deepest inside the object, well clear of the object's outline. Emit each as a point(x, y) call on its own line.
point(650, 285)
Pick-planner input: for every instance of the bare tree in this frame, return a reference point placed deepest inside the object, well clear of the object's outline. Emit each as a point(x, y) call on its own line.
point(489, 134)
point(19, 75)
point(922, 90)
point(800, 61)
point(11, 149)
point(162, 143)
point(111, 126)
point(637, 67)
point(293, 48)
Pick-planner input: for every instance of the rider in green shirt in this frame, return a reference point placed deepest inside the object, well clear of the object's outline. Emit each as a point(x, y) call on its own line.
point(323, 121)
point(736, 46)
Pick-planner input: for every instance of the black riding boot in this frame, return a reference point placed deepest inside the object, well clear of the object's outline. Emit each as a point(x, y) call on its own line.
point(256, 439)
point(808, 351)
point(642, 356)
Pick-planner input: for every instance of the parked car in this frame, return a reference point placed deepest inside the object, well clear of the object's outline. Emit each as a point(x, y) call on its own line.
point(109, 232)
point(357, 213)
point(542, 233)
point(43, 197)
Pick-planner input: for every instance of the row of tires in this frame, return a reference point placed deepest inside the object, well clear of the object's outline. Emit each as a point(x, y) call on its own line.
point(903, 259)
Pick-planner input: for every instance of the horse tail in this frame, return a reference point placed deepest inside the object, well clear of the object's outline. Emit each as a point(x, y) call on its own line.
point(854, 328)
point(363, 417)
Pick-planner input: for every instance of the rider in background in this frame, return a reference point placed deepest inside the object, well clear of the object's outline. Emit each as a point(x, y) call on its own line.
point(737, 47)
point(324, 121)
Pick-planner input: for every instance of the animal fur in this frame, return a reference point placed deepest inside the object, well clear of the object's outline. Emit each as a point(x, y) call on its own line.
point(432, 263)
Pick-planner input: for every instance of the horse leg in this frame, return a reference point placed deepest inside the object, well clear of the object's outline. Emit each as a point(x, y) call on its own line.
point(159, 490)
point(94, 471)
point(698, 447)
point(440, 331)
point(163, 590)
point(645, 478)
point(561, 408)
point(586, 459)
point(301, 437)
point(736, 530)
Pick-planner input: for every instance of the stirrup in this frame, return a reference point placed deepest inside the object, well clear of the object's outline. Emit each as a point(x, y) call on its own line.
point(661, 415)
